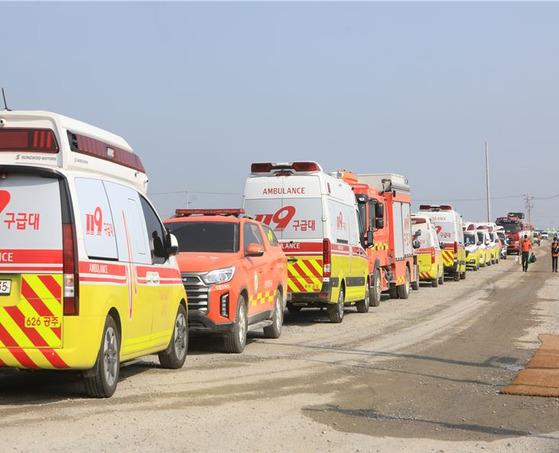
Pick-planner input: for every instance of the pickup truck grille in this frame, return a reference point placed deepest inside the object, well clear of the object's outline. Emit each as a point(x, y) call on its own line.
point(196, 291)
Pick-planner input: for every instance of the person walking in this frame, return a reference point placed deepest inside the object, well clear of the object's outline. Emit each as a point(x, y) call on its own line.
point(554, 254)
point(526, 247)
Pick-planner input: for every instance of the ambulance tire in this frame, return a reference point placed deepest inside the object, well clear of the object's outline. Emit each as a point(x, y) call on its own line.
point(376, 289)
point(456, 276)
point(336, 312)
point(497, 259)
point(174, 356)
point(363, 305)
point(435, 282)
point(235, 340)
point(274, 331)
point(463, 275)
point(415, 283)
point(404, 290)
point(441, 279)
point(101, 381)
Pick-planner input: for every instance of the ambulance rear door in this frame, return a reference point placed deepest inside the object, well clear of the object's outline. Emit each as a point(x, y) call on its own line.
point(31, 311)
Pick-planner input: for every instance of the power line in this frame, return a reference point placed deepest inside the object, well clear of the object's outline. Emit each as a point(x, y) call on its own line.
point(192, 191)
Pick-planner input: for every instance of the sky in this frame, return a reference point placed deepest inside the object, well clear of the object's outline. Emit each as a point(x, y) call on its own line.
point(202, 90)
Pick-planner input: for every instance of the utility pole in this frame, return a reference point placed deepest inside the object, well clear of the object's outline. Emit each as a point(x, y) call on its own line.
point(487, 181)
point(529, 207)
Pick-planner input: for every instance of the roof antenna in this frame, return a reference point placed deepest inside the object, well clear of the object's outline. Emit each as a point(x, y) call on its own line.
point(5, 103)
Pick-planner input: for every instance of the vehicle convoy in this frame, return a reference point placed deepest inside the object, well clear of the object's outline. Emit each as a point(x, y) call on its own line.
point(493, 245)
point(88, 277)
point(448, 224)
point(384, 202)
point(515, 228)
point(315, 218)
point(234, 272)
point(429, 254)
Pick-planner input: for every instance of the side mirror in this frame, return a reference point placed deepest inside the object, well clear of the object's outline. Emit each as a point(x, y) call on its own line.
point(379, 210)
point(255, 250)
point(369, 237)
point(442, 245)
point(172, 245)
point(379, 223)
point(479, 242)
point(487, 242)
point(416, 244)
point(417, 234)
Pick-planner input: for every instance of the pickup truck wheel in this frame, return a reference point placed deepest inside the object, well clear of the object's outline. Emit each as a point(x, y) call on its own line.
point(363, 305)
point(235, 340)
point(101, 381)
point(404, 290)
point(374, 299)
point(175, 355)
point(274, 331)
point(336, 312)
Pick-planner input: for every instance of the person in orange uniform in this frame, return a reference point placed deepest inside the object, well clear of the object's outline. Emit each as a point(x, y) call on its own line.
point(554, 254)
point(526, 246)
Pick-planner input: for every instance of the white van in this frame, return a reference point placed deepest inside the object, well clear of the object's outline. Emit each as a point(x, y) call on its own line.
point(449, 227)
point(314, 216)
point(88, 276)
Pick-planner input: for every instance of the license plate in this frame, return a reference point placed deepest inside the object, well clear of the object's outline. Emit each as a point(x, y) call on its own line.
point(5, 287)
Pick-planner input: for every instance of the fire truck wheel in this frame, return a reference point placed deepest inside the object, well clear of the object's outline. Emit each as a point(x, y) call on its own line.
point(101, 381)
point(235, 340)
point(363, 305)
point(175, 355)
point(336, 312)
point(393, 291)
point(376, 289)
point(456, 276)
point(293, 308)
point(274, 331)
point(404, 290)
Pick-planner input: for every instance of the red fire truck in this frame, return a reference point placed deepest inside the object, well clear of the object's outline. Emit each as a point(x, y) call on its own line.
point(515, 228)
point(384, 203)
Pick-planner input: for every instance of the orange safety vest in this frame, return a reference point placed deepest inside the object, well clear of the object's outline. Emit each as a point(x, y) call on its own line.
point(554, 249)
point(526, 245)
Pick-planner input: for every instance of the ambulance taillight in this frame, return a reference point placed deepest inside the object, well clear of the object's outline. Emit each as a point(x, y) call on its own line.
point(455, 247)
point(306, 166)
point(70, 280)
point(32, 140)
point(326, 258)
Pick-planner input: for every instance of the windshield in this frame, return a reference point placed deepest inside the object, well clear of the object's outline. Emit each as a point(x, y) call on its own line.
point(218, 237)
point(511, 226)
point(480, 237)
point(469, 239)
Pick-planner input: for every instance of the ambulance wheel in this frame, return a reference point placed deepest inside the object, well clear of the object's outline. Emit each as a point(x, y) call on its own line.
point(235, 340)
point(435, 282)
point(274, 331)
point(404, 290)
point(101, 381)
point(363, 305)
point(463, 275)
point(376, 289)
point(293, 308)
point(441, 279)
point(456, 276)
point(175, 355)
point(415, 283)
point(336, 312)
point(497, 260)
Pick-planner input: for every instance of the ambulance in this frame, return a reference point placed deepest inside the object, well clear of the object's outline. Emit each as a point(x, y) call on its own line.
point(88, 274)
point(486, 246)
point(448, 224)
point(429, 254)
point(314, 215)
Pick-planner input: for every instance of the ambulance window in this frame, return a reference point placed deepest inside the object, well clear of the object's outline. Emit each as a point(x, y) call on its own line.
point(272, 239)
point(156, 233)
point(96, 219)
point(252, 235)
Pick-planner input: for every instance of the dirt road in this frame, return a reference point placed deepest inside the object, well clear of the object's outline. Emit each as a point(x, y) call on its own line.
point(422, 374)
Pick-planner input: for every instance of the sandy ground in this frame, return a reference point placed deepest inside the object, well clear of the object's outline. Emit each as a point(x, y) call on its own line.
point(416, 375)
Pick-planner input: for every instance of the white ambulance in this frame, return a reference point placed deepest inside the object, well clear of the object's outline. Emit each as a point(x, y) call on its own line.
point(88, 277)
point(314, 216)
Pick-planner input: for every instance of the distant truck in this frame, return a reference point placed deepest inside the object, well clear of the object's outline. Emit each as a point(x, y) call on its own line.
point(384, 202)
point(515, 229)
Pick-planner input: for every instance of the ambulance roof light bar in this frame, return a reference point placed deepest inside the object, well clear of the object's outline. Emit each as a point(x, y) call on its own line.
point(282, 167)
point(428, 207)
point(204, 212)
point(32, 140)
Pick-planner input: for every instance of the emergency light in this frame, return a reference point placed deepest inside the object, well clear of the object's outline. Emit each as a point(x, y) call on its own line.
point(267, 167)
point(187, 212)
point(22, 139)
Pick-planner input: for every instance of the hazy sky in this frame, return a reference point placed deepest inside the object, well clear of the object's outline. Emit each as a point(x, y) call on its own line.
point(201, 90)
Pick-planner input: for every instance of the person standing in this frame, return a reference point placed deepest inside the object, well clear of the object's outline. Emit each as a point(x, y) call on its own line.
point(526, 247)
point(554, 254)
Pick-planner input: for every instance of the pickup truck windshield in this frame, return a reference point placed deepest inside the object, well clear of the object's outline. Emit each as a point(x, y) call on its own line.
point(216, 237)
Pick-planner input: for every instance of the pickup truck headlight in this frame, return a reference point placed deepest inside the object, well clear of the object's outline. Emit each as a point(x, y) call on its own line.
point(219, 276)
